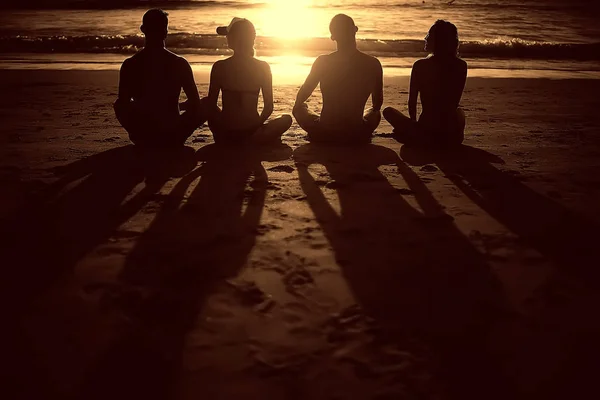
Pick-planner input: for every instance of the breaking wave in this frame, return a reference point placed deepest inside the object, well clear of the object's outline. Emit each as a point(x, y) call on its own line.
point(214, 44)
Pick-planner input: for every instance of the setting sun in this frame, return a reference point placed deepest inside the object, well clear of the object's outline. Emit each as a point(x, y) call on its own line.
point(292, 19)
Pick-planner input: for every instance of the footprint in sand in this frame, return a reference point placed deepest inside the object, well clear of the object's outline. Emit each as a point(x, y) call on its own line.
point(251, 295)
point(428, 168)
point(282, 168)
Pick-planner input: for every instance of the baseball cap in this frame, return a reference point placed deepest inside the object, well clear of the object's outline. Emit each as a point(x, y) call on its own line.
point(235, 25)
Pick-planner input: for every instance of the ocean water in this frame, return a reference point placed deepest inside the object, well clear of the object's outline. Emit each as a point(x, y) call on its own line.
point(502, 35)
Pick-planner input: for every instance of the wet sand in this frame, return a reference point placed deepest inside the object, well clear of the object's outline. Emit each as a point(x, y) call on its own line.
point(300, 272)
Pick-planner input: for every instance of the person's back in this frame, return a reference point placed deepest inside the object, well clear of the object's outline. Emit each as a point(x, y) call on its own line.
point(347, 78)
point(155, 77)
point(440, 83)
point(241, 82)
point(240, 79)
point(347, 81)
point(150, 83)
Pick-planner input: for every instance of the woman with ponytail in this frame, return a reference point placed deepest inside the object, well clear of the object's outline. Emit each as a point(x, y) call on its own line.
point(239, 79)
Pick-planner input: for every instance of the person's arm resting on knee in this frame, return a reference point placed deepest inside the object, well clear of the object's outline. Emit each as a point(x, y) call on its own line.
point(377, 94)
point(267, 92)
point(459, 86)
point(214, 87)
point(125, 83)
point(312, 80)
point(189, 88)
point(413, 91)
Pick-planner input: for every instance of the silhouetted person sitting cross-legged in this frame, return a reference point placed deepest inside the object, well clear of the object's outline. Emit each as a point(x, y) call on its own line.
point(440, 80)
point(240, 78)
point(347, 78)
point(150, 83)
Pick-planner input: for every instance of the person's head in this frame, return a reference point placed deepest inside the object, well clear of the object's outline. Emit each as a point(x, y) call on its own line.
point(442, 39)
point(342, 29)
point(240, 36)
point(155, 24)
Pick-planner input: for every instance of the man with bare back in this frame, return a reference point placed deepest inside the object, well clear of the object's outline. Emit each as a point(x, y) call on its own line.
point(348, 77)
point(150, 83)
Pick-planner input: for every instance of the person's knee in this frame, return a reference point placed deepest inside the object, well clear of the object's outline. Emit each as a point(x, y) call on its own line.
point(299, 111)
point(198, 117)
point(305, 119)
point(296, 112)
point(286, 121)
point(120, 107)
point(199, 113)
point(373, 116)
point(388, 112)
point(281, 125)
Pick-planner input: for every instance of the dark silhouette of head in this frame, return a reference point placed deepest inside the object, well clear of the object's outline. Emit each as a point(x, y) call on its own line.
point(240, 36)
point(343, 30)
point(155, 25)
point(442, 39)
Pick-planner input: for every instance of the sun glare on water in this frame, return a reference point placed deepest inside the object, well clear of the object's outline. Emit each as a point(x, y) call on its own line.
point(292, 19)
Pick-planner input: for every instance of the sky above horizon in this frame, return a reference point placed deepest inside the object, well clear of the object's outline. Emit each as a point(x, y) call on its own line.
point(320, 2)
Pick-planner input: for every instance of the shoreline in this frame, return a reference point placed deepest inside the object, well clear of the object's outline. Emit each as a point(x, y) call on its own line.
point(293, 69)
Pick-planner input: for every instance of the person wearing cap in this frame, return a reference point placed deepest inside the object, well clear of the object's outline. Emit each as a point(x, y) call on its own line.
point(348, 77)
point(440, 80)
point(150, 83)
point(239, 79)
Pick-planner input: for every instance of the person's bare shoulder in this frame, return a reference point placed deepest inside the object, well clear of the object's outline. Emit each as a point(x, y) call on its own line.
point(374, 63)
point(421, 66)
point(421, 63)
point(180, 62)
point(324, 59)
point(370, 65)
point(224, 64)
point(128, 62)
point(218, 65)
point(265, 69)
point(134, 60)
point(263, 65)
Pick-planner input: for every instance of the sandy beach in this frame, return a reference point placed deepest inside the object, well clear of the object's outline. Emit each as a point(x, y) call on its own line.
point(300, 272)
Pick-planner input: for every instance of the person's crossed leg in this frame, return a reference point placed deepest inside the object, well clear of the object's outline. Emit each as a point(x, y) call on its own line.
point(318, 133)
point(269, 132)
point(408, 131)
point(147, 130)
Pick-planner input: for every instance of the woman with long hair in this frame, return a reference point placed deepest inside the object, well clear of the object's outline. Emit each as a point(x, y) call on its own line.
point(239, 79)
point(439, 80)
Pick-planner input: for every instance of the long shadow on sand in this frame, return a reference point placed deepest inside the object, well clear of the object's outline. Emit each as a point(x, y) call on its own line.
point(201, 236)
point(562, 310)
point(412, 270)
point(60, 226)
point(552, 229)
point(70, 217)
